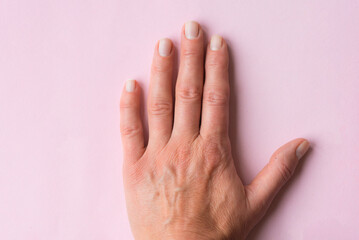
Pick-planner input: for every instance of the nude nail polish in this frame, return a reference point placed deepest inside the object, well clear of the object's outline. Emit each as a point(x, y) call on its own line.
point(216, 42)
point(302, 149)
point(130, 85)
point(191, 30)
point(164, 47)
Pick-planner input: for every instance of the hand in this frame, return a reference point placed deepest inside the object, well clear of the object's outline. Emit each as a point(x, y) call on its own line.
point(183, 184)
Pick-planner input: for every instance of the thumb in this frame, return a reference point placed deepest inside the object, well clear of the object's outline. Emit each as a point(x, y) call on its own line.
point(275, 174)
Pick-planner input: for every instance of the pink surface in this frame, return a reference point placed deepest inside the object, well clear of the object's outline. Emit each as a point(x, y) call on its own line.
point(294, 73)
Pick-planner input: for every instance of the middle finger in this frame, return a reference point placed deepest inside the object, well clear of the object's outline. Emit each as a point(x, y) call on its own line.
point(189, 84)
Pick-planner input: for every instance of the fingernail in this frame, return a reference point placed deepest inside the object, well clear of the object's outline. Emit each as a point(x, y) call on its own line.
point(164, 48)
point(216, 42)
point(130, 85)
point(302, 149)
point(191, 30)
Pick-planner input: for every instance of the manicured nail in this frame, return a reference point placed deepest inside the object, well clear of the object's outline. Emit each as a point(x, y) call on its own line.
point(165, 47)
point(191, 30)
point(302, 149)
point(216, 42)
point(130, 85)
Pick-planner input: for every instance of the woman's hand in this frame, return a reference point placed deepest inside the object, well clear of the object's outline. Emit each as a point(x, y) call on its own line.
point(183, 184)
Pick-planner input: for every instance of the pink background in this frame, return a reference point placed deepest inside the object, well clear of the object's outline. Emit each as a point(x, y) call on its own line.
point(294, 73)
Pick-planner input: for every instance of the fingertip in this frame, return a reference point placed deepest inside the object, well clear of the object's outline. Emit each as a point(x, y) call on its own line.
point(130, 85)
point(164, 47)
point(217, 47)
point(191, 29)
point(216, 42)
point(130, 94)
point(302, 149)
point(217, 55)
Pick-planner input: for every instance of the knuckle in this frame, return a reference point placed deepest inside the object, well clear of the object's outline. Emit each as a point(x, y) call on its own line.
point(160, 107)
point(216, 98)
point(130, 130)
point(191, 53)
point(189, 93)
point(214, 152)
point(184, 153)
point(217, 63)
point(161, 67)
point(285, 171)
point(183, 156)
point(281, 163)
point(128, 104)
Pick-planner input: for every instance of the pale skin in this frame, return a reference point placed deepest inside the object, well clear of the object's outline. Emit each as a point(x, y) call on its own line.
point(183, 184)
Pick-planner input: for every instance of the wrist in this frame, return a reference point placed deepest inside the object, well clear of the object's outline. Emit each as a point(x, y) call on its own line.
point(184, 236)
